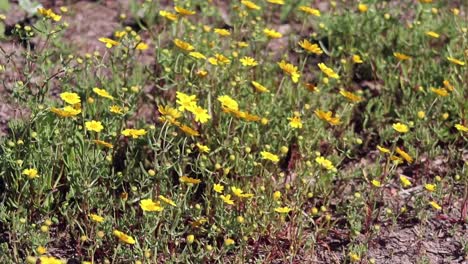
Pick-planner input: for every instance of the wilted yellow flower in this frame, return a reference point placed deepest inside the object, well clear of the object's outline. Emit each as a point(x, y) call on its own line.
point(197, 55)
point(183, 11)
point(218, 188)
point(283, 210)
point(222, 32)
point(455, 61)
point(96, 218)
point(295, 122)
point(103, 143)
point(123, 237)
point(448, 85)
point(70, 98)
point(328, 71)
point(271, 33)
point(93, 125)
point(269, 156)
point(49, 14)
point(432, 34)
point(327, 116)
point(325, 163)
point(401, 56)
point(260, 88)
point(404, 155)
point(167, 200)
point(310, 10)
point(186, 179)
point(248, 61)
point(67, 111)
point(382, 149)
point(350, 96)
point(109, 42)
point(250, 5)
point(227, 199)
point(189, 131)
point(31, 173)
point(461, 128)
point(440, 91)
point(312, 48)
point(102, 93)
point(404, 181)
point(149, 205)
point(291, 70)
point(183, 45)
point(399, 127)
point(168, 15)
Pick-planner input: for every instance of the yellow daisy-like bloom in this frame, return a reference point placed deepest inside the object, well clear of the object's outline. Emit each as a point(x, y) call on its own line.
point(228, 103)
point(310, 10)
point(134, 133)
point(363, 8)
point(183, 11)
point(432, 34)
point(327, 116)
point(401, 56)
point(399, 127)
point(277, 2)
point(404, 155)
point(201, 114)
point(248, 61)
point(70, 98)
point(219, 59)
point(430, 187)
point(440, 91)
point(197, 55)
point(103, 143)
point(185, 101)
point(269, 156)
point(404, 181)
point(41, 250)
point(239, 193)
point(149, 205)
point(376, 183)
point(461, 128)
point(291, 70)
point(295, 122)
point(350, 96)
point(124, 238)
point(448, 85)
point(49, 14)
point(31, 173)
point(109, 42)
point(93, 125)
point(435, 205)
point(328, 71)
point(186, 179)
point(250, 5)
point(189, 131)
point(141, 46)
point(229, 242)
point(227, 199)
point(325, 163)
point(49, 260)
point(283, 210)
point(383, 150)
point(271, 33)
point(168, 15)
point(102, 93)
point(312, 48)
point(203, 148)
point(455, 61)
point(183, 45)
point(218, 188)
point(116, 109)
point(67, 111)
point(169, 112)
point(357, 59)
point(167, 200)
point(259, 88)
point(96, 218)
point(222, 32)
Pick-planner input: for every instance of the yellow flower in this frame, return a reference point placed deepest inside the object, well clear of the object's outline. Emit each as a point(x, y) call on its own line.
point(109, 42)
point(219, 59)
point(382, 149)
point(185, 101)
point(376, 183)
point(41, 250)
point(49, 260)
point(228, 242)
point(183, 45)
point(103, 143)
point(239, 193)
point(363, 8)
point(461, 128)
point(167, 200)
point(325, 163)
point(276, 195)
point(290, 69)
point(259, 88)
point(31, 173)
point(250, 5)
point(228, 102)
point(70, 98)
point(197, 55)
point(169, 112)
point(295, 122)
point(455, 61)
point(440, 91)
point(310, 10)
point(432, 34)
point(141, 46)
point(148, 205)
point(168, 15)
point(203, 148)
point(269, 156)
point(350, 96)
point(218, 188)
point(404, 181)
point(227, 199)
point(222, 32)
point(357, 59)
point(328, 71)
point(201, 115)
point(401, 56)
point(248, 61)
point(421, 114)
point(271, 33)
point(49, 14)
point(283, 210)
point(189, 131)
point(278, 2)
point(312, 48)
point(404, 155)
point(116, 109)
point(186, 179)
point(327, 116)
point(354, 257)
point(183, 11)
point(448, 85)
point(123, 237)
point(435, 205)
point(96, 218)
point(399, 127)
point(102, 93)
point(134, 133)
point(430, 187)
point(67, 111)
point(93, 125)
